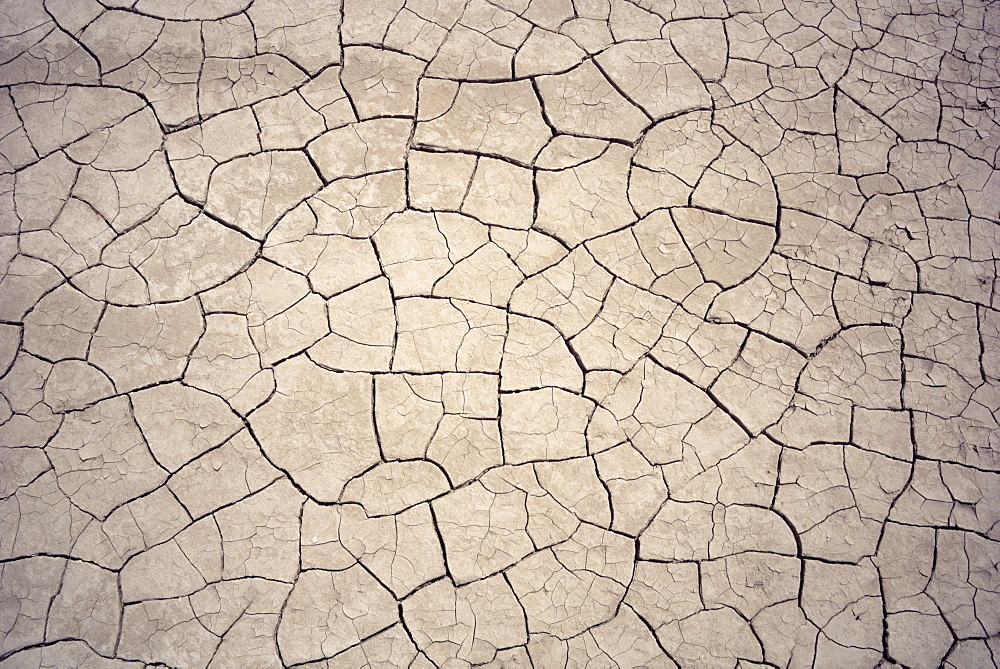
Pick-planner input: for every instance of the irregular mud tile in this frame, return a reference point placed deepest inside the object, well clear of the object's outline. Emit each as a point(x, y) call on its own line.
point(414, 34)
point(918, 639)
point(173, 269)
point(962, 569)
point(702, 45)
point(568, 295)
point(625, 641)
point(468, 623)
point(620, 251)
point(343, 264)
point(260, 534)
point(628, 325)
point(868, 369)
point(125, 146)
point(75, 384)
point(487, 276)
point(711, 637)
point(102, 459)
point(72, 653)
point(535, 355)
point(321, 544)
point(250, 639)
point(483, 531)
point(292, 331)
point(179, 567)
point(408, 413)
point(307, 35)
point(680, 531)
point(288, 122)
point(194, 152)
point(759, 384)
point(439, 180)
point(714, 439)
point(176, 52)
point(362, 148)
point(388, 489)
point(786, 634)
point(532, 251)
point(683, 146)
point(590, 32)
point(40, 518)
point(635, 488)
point(437, 335)
point(584, 202)
point(726, 249)
point(362, 328)
point(131, 528)
point(318, 427)
point(402, 551)
point(180, 423)
point(738, 183)
point(165, 630)
point(21, 467)
point(829, 196)
point(563, 601)
point(750, 582)
point(467, 54)
point(676, 274)
point(500, 193)
point(40, 192)
point(277, 181)
point(436, 97)
point(465, 447)
point(564, 151)
point(664, 592)
point(859, 303)
point(786, 299)
point(850, 332)
point(816, 493)
point(29, 588)
point(600, 551)
point(381, 82)
point(391, 648)
point(228, 83)
point(358, 207)
point(225, 363)
point(16, 151)
point(87, 607)
point(845, 602)
point(653, 76)
point(222, 476)
point(583, 102)
point(481, 119)
point(697, 349)
point(546, 52)
point(575, 485)
point(543, 424)
point(413, 252)
point(207, 10)
point(470, 395)
point(26, 281)
point(57, 116)
point(941, 329)
point(328, 612)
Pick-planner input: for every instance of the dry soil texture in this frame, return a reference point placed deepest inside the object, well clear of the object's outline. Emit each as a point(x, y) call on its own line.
point(509, 333)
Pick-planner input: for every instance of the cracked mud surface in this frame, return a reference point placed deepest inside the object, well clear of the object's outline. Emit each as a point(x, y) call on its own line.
point(519, 333)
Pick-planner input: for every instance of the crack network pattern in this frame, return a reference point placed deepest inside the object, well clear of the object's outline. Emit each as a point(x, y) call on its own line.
point(510, 333)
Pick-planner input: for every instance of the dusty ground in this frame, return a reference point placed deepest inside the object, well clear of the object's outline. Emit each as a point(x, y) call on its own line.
point(523, 333)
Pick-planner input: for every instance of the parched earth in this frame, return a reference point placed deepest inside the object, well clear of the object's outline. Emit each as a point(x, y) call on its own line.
point(519, 333)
